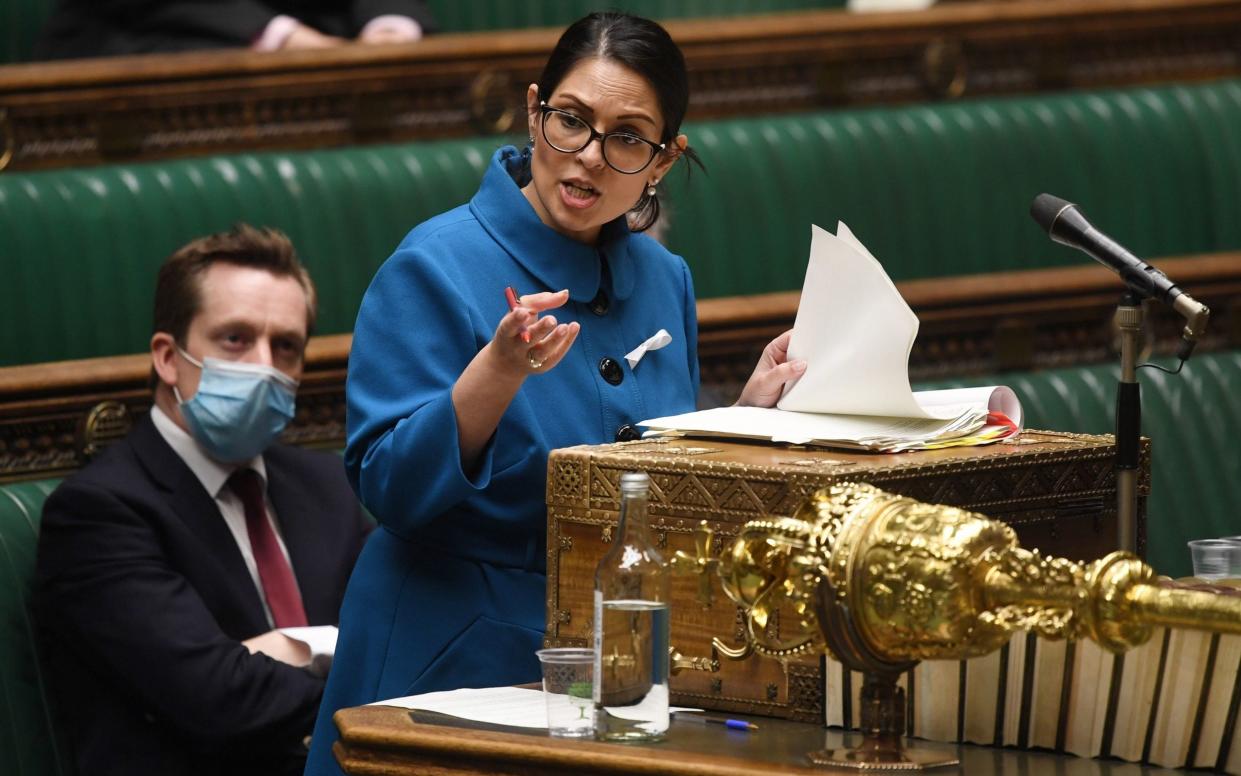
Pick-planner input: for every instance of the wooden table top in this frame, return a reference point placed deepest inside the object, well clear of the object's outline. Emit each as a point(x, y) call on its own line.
point(389, 741)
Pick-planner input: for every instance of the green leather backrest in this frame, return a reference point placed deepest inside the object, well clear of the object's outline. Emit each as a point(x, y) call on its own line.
point(30, 741)
point(945, 189)
point(81, 247)
point(1194, 422)
point(933, 190)
point(21, 21)
point(457, 16)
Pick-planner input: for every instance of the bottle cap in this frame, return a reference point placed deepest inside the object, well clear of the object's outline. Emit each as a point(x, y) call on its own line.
point(634, 481)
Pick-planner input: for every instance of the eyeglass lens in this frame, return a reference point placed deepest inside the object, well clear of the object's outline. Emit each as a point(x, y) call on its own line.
point(566, 132)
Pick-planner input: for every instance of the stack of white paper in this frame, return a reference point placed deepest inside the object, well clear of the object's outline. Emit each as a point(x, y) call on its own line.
point(855, 333)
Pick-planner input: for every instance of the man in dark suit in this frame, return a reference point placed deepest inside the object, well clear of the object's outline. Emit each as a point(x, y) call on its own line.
point(96, 28)
point(167, 567)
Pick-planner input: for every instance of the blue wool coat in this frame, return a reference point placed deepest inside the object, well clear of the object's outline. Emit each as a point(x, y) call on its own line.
point(449, 591)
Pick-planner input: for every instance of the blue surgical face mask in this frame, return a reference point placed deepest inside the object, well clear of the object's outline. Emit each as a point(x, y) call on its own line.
point(239, 408)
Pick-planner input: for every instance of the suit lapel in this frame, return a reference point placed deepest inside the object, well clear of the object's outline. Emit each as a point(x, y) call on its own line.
point(296, 512)
point(197, 511)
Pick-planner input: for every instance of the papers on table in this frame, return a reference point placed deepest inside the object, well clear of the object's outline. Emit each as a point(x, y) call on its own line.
point(321, 640)
point(512, 706)
point(855, 333)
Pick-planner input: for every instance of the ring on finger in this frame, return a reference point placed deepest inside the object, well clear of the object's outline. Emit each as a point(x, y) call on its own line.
point(534, 361)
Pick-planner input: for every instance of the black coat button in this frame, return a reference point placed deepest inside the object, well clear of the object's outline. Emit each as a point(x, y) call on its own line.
point(599, 305)
point(628, 433)
point(611, 371)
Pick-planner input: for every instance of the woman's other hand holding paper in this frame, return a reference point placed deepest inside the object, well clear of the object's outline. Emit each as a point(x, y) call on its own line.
point(490, 381)
point(773, 371)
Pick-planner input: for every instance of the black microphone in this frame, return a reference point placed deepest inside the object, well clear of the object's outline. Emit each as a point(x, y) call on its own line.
point(1066, 225)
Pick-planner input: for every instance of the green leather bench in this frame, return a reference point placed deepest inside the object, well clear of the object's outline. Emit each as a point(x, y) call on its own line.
point(31, 743)
point(1196, 485)
point(933, 190)
point(1194, 422)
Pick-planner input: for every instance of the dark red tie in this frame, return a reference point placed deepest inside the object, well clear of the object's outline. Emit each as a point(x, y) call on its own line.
point(283, 598)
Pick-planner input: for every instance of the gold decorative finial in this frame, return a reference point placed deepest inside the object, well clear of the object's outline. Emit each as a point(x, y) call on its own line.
point(883, 581)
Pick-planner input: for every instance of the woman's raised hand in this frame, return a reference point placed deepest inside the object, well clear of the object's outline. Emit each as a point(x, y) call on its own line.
point(547, 340)
point(492, 378)
point(773, 370)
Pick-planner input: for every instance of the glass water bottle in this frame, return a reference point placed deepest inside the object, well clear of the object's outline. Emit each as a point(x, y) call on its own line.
point(631, 627)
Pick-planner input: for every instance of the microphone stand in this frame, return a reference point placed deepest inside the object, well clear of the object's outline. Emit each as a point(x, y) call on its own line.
point(1128, 421)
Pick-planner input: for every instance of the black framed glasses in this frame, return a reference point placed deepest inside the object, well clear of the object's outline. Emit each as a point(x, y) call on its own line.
point(624, 152)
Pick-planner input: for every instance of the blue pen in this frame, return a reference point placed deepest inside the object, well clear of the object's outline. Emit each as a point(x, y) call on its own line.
point(732, 724)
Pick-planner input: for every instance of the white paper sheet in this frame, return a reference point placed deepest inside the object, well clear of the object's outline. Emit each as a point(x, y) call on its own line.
point(513, 706)
point(321, 640)
point(854, 332)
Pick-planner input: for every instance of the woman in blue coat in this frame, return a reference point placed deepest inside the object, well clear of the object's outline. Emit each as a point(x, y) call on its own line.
point(455, 399)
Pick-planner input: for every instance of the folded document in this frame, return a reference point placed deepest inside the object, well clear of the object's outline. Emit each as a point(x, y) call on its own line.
point(855, 333)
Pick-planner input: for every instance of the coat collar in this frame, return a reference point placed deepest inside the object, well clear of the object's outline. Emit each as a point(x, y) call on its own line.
point(556, 260)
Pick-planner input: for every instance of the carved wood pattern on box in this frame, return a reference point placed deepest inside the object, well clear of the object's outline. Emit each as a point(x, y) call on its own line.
point(1054, 487)
point(74, 114)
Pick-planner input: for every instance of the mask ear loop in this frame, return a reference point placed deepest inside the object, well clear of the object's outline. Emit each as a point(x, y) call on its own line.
point(175, 391)
point(189, 358)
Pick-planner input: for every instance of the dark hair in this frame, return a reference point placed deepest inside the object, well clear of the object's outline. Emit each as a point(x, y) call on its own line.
point(178, 289)
point(642, 46)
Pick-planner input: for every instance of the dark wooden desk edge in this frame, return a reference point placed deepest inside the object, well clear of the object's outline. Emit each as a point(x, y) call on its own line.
point(385, 740)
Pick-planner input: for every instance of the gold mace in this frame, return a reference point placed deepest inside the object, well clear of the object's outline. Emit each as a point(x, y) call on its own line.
point(883, 581)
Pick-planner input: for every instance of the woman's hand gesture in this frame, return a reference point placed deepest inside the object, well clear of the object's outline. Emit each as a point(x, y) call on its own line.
point(773, 370)
point(525, 343)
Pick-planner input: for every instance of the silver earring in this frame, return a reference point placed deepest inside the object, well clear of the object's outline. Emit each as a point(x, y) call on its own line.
point(650, 189)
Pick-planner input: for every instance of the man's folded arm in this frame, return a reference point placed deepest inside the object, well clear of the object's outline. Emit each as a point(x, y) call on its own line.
point(106, 592)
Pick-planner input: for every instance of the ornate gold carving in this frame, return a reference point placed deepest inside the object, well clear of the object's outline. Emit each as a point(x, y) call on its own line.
point(880, 579)
point(883, 581)
point(805, 692)
point(679, 662)
point(659, 446)
point(944, 68)
point(106, 422)
point(7, 141)
point(492, 108)
point(567, 481)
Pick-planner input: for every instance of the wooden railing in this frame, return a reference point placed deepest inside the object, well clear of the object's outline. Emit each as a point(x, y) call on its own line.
point(160, 106)
point(53, 417)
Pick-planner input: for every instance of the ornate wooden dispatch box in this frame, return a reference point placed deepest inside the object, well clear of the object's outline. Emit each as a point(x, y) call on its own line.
point(1057, 490)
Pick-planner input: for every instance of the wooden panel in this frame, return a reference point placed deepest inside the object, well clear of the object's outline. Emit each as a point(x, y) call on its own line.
point(160, 106)
point(54, 416)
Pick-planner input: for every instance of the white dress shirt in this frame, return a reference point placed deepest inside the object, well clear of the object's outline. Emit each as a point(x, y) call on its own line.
point(214, 478)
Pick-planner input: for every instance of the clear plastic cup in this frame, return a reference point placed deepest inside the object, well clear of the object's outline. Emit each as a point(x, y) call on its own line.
point(568, 688)
point(1216, 559)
